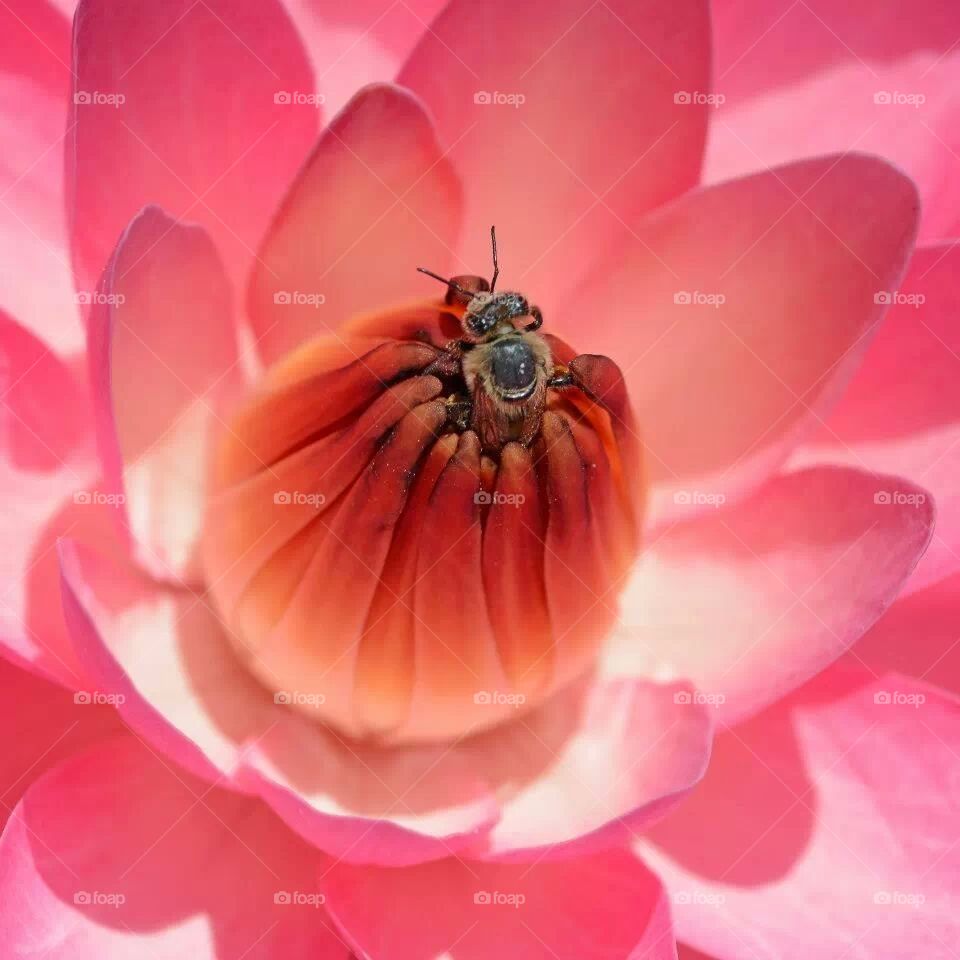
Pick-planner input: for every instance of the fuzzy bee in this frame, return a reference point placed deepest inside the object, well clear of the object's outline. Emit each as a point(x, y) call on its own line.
point(505, 364)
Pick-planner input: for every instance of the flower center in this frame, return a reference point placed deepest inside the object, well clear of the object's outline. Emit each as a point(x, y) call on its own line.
point(403, 563)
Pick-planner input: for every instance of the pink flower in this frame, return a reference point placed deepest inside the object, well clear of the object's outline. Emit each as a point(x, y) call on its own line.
point(245, 720)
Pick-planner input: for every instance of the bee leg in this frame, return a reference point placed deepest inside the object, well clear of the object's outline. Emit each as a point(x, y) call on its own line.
point(459, 412)
point(448, 361)
point(561, 378)
point(537, 315)
point(532, 421)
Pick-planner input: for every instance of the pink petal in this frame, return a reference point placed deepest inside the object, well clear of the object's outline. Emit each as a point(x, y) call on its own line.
point(44, 413)
point(35, 44)
point(163, 366)
point(917, 636)
point(902, 411)
point(198, 131)
point(753, 600)
point(115, 854)
point(828, 820)
point(741, 310)
point(607, 905)
point(43, 725)
point(186, 694)
point(597, 140)
point(602, 765)
point(800, 80)
point(37, 283)
point(374, 200)
point(351, 45)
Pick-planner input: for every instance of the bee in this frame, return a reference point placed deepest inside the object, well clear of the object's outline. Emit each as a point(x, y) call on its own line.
point(506, 366)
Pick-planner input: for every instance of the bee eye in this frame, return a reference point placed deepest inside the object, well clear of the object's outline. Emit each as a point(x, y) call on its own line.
point(479, 324)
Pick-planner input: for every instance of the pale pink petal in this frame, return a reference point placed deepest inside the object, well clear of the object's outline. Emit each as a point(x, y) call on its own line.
point(203, 127)
point(799, 79)
point(856, 106)
point(608, 125)
point(44, 415)
point(606, 905)
point(826, 823)
point(602, 764)
point(901, 413)
point(374, 200)
point(185, 692)
point(740, 311)
point(354, 44)
point(116, 854)
point(590, 768)
point(163, 368)
point(37, 284)
point(918, 636)
point(754, 599)
point(43, 724)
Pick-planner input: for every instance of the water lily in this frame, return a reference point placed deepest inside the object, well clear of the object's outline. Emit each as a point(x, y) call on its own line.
point(295, 663)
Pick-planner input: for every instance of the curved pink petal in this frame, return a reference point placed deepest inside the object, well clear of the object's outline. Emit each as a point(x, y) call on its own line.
point(375, 199)
point(163, 367)
point(115, 854)
point(740, 311)
point(351, 45)
point(44, 414)
point(43, 724)
point(35, 43)
point(37, 283)
point(751, 601)
point(831, 820)
point(567, 120)
point(601, 764)
point(913, 125)
point(901, 412)
point(917, 636)
point(187, 105)
point(606, 905)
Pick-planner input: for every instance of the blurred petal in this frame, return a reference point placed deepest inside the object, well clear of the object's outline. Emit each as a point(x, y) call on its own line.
point(188, 870)
point(753, 600)
point(608, 905)
point(35, 44)
point(43, 724)
point(741, 311)
point(595, 131)
point(901, 413)
point(800, 80)
point(831, 820)
point(163, 364)
point(375, 199)
point(194, 120)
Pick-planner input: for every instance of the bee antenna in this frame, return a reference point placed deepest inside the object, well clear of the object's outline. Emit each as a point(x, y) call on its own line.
point(496, 265)
point(450, 283)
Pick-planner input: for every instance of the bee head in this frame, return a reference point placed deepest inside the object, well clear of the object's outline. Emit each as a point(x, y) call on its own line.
point(486, 311)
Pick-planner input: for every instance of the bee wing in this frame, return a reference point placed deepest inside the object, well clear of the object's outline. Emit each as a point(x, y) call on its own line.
point(488, 420)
